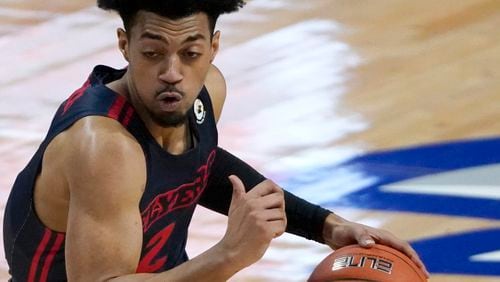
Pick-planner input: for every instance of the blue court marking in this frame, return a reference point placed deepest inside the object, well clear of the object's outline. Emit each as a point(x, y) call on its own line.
point(451, 254)
point(389, 167)
point(448, 254)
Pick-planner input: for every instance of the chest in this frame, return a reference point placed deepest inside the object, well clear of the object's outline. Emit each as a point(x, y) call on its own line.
point(174, 186)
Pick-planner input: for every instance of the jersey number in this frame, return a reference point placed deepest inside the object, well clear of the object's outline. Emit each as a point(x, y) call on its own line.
point(150, 263)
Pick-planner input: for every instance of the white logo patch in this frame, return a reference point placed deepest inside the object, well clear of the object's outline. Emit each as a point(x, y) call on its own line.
point(199, 111)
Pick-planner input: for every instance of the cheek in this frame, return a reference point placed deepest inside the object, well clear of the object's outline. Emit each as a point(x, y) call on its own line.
point(144, 76)
point(144, 69)
point(144, 87)
point(142, 79)
point(196, 75)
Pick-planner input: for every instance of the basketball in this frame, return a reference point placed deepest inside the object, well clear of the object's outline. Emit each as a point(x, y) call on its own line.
point(379, 263)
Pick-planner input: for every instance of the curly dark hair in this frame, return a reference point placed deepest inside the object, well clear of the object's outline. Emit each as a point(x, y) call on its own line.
point(172, 9)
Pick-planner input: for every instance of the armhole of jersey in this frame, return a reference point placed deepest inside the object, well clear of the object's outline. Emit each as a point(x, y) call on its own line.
point(205, 96)
point(64, 126)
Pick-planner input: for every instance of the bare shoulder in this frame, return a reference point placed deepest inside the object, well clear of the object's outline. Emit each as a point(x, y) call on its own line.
point(216, 86)
point(86, 165)
point(100, 154)
point(102, 138)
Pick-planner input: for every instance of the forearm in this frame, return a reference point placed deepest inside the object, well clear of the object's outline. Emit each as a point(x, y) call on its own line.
point(217, 194)
point(212, 265)
point(304, 218)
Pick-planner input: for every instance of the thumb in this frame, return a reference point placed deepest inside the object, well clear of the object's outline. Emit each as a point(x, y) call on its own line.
point(238, 188)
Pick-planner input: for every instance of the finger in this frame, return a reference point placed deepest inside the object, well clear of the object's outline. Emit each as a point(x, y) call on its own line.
point(270, 201)
point(277, 228)
point(264, 188)
point(238, 188)
point(403, 246)
point(416, 259)
point(364, 239)
point(412, 254)
point(272, 214)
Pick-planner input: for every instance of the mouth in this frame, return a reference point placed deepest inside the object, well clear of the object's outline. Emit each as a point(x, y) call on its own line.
point(169, 101)
point(170, 96)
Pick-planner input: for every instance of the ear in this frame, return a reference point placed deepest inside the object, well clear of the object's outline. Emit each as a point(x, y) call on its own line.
point(214, 45)
point(123, 43)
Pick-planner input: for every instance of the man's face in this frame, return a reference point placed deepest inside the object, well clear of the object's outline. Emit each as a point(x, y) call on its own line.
point(168, 62)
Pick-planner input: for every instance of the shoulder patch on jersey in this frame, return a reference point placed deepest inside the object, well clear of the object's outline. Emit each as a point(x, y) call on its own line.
point(199, 111)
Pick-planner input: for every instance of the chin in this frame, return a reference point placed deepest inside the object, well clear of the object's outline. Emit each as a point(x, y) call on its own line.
point(175, 119)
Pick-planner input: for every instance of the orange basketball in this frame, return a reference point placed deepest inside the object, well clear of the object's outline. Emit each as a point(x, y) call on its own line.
point(379, 263)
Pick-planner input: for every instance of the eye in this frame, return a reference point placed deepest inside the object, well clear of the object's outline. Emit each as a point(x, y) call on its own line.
point(192, 54)
point(151, 54)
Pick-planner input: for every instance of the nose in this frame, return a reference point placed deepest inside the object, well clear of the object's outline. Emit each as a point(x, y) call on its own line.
point(171, 71)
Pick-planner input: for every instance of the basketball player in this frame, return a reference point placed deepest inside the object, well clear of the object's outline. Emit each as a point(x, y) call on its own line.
point(110, 193)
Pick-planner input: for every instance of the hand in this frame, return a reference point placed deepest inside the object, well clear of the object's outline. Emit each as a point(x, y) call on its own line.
point(339, 232)
point(254, 219)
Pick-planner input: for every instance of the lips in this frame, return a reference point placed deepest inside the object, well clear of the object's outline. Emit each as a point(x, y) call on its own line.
point(174, 96)
point(169, 101)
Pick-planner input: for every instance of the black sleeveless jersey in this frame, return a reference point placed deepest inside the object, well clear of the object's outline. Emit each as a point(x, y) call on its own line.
point(174, 185)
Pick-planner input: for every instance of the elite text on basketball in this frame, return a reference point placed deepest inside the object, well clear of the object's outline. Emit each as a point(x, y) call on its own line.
point(372, 262)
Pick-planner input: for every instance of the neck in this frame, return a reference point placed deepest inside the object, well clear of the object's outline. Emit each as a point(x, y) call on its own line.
point(174, 140)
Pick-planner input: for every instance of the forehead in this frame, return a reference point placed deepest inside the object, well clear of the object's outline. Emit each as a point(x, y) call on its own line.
point(148, 22)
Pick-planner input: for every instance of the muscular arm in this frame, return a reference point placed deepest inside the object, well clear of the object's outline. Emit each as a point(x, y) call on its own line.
point(304, 218)
point(106, 173)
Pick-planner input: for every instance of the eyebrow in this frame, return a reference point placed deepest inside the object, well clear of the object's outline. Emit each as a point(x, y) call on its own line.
point(190, 38)
point(193, 38)
point(150, 35)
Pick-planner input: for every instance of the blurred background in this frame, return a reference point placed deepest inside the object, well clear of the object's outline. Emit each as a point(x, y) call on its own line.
point(385, 111)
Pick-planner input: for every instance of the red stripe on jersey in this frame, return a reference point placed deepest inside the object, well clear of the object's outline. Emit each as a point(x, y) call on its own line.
point(39, 251)
point(48, 261)
point(128, 116)
point(116, 108)
point(76, 95)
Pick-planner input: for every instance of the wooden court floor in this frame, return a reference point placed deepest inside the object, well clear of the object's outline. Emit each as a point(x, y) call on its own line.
point(310, 83)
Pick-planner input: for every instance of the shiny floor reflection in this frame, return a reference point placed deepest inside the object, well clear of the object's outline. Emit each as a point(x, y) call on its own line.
point(314, 88)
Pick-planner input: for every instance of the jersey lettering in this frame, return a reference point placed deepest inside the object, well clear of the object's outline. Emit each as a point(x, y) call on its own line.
point(181, 197)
